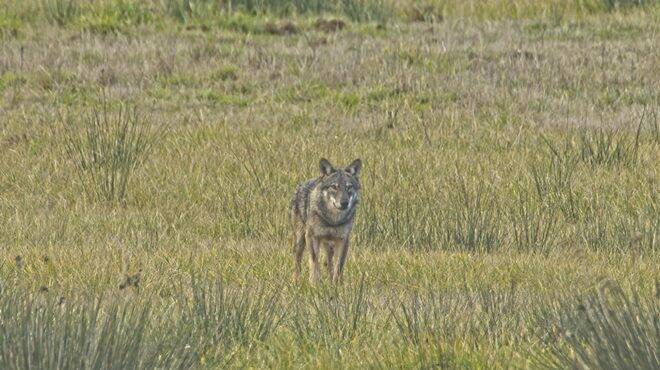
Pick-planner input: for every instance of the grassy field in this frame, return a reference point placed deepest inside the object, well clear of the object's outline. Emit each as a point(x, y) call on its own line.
point(509, 215)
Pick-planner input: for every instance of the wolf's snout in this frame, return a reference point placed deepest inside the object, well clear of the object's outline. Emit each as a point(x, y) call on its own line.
point(343, 204)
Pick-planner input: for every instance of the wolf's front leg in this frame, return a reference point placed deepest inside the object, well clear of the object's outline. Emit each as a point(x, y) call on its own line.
point(330, 246)
point(313, 246)
point(343, 253)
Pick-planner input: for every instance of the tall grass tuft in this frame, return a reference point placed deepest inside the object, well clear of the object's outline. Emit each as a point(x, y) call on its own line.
point(472, 221)
point(608, 329)
point(223, 318)
point(60, 12)
point(184, 10)
point(608, 148)
point(355, 10)
point(37, 332)
point(599, 147)
point(366, 11)
point(432, 325)
point(107, 149)
point(332, 318)
point(553, 177)
point(533, 226)
point(611, 5)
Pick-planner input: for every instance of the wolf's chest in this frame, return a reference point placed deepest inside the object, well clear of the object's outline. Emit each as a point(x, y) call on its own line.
point(332, 232)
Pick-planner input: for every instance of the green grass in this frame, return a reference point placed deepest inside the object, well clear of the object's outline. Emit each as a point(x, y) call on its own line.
point(118, 16)
point(108, 151)
point(606, 330)
point(149, 150)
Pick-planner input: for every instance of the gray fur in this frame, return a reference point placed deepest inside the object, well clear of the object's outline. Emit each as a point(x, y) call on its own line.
point(323, 211)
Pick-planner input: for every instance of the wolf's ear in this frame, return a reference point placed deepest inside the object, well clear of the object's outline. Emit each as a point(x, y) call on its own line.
point(326, 167)
point(355, 167)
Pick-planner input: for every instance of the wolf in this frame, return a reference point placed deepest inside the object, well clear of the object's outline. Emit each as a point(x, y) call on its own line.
point(323, 211)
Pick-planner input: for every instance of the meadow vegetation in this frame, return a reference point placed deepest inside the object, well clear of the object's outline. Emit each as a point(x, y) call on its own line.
point(509, 215)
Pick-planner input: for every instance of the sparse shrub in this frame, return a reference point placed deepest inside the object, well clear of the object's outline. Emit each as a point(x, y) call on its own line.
point(107, 149)
point(609, 329)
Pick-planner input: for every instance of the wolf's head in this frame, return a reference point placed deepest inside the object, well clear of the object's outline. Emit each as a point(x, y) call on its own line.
point(340, 188)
